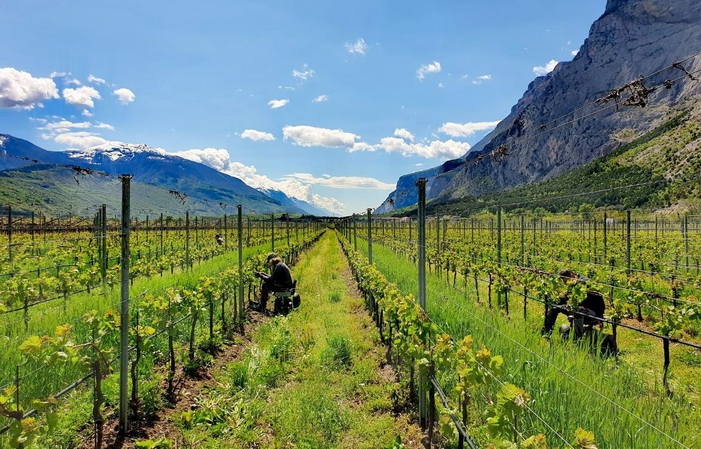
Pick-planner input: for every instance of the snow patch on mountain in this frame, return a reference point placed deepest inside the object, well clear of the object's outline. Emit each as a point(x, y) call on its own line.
point(118, 150)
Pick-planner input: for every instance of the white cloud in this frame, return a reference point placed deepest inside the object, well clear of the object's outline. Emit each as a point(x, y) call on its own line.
point(441, 85)
point(101, 125)
point(359, 47)
point(466, 129)
point(575, 52)
point(434, 67)
point(63, 126)
point(220, 160)
point(404, 134)
point(59, 74)
point(310, 136)
point(342, 182)
point(87, 113)
point(547, 68)
point(321, 98)
point(93, 79)
point(256, 135)
point(274, 104)
point(286, 87)
point(464, 77)
point(479, 79)
point(304, 74)
point(435, 149)
point(125, 95)
point(80, 139)
point(81, 97)
point(362, 146)
point(74, 81)
point(20, 90)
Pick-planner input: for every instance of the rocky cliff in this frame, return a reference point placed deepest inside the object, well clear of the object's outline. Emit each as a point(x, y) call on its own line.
point(557, 125)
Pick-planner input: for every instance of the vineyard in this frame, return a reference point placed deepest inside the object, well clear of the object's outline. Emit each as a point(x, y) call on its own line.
point(469, 353)
point(493, 279)
point(61, 284)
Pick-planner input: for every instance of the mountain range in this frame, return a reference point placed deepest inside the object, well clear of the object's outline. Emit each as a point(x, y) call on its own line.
point(162, 182)
point(621, 84)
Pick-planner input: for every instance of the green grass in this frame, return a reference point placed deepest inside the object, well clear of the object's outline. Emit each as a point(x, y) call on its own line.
point(312, 379)
point(569, 388)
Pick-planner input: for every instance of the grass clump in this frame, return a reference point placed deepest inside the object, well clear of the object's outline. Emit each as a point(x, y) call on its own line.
point(339, 352)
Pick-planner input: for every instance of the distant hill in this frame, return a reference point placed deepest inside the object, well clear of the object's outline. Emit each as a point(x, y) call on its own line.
point(557, 125)
point(203, 188)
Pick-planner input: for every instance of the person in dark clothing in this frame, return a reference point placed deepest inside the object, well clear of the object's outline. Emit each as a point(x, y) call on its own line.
point(279, 280)
point(589, 313)
point(219, 239)
point(568, 277)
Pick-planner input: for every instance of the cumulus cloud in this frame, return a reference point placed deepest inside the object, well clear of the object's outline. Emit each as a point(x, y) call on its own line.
point(80, 139)
point(359, 47)
point(20, 90)
point(425, 69)
point(321, 98)
point(305, 73)
point(479, 79)
point(404, 134)
point(63, 126)
point(93, 79)
point(125, 95)
point(466, 129)
point(274, 104)
point(311, 136)
point(256, 135)
point(101, 125)
point(435, 149)
point(547, 68)
point(81, 97)
point(73, 134)
point(342, 182)
point(220, 160)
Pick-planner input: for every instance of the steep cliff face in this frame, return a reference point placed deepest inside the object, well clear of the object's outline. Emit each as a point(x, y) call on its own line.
point(545, 138)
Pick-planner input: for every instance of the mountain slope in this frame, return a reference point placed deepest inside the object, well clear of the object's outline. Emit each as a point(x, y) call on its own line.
point(149, 166)
point(630, 38)
point(659, 169)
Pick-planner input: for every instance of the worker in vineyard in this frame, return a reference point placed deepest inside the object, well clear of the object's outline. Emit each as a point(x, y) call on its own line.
point(219, 239)
point(279, 280)
point(567, 277)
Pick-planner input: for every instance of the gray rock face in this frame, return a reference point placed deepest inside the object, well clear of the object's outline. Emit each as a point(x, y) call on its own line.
point(546, 138)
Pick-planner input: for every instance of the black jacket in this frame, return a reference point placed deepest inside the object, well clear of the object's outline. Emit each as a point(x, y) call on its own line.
point(281, 278)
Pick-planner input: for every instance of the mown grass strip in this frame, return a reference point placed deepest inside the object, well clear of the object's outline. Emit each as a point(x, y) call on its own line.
point(314, 379)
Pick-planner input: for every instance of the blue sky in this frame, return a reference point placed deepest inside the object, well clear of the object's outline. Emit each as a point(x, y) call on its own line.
point(329, 101)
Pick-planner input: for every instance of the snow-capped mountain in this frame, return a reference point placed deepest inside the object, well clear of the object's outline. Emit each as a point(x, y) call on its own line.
point(156, 167)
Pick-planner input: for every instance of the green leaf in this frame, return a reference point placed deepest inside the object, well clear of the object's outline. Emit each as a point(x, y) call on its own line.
point(31, 346)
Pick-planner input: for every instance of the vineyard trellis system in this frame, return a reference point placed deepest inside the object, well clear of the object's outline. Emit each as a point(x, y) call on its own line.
point(153, 317)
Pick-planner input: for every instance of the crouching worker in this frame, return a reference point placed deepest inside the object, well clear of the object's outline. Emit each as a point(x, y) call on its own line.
point(568, 277)
point(590, 313)
point(279, 280)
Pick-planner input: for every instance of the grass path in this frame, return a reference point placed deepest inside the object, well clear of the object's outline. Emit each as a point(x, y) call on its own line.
point(314, 379)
